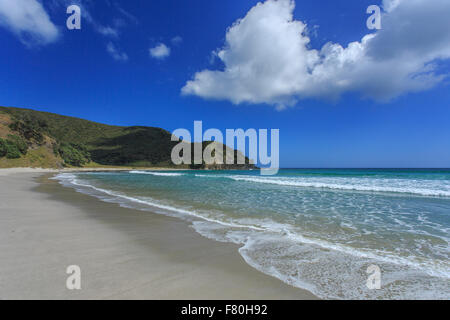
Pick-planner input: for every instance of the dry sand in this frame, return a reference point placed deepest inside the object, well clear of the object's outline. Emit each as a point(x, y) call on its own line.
point(123, 253)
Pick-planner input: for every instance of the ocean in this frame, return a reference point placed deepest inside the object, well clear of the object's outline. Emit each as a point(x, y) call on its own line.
point(316, 229)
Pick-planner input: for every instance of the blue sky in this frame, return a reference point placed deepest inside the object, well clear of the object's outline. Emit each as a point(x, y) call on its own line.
point(383, 115)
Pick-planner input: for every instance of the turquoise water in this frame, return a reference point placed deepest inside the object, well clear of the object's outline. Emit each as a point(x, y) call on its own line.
point(314, 229)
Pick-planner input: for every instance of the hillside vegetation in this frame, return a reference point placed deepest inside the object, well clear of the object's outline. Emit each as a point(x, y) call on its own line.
point(35, 138)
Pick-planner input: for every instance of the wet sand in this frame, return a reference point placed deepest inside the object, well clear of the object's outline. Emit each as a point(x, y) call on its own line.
point(123, 253)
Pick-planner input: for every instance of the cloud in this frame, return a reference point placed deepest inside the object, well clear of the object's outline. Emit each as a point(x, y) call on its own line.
point(104, 30)
point(161, 51)
point(267, 57)
point(176, 40)
point(115, 53)
point(111, 32)
point(126, 14)
point(29, 21)
point(107, 31)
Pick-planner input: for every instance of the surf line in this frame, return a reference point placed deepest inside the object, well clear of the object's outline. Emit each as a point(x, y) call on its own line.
point(193, 310)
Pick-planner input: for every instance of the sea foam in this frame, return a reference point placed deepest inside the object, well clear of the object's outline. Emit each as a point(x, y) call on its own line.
point(328, 269)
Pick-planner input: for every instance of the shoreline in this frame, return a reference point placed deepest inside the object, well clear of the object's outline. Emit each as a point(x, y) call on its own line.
point(8, 171)
point(123, 253)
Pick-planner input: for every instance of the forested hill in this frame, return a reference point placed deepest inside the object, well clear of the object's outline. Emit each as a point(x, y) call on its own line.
point(35, 138)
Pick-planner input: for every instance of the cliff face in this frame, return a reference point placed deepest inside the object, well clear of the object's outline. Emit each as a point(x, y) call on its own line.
point(223, 152)
point(214, 156)
point(51, 140)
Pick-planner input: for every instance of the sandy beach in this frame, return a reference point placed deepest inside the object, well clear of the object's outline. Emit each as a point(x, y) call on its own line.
point(123, 253)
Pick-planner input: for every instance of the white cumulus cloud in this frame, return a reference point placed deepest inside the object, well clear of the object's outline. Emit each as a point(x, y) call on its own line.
point(268, 59)
point(160, 51)
point(29, 21)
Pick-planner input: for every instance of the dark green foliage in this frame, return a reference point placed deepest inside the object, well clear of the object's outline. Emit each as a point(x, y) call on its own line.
point(137, 144)
point(73, 154)
point(79, 141)
point(197, 166)
point(19, 142)
point(11, 149)
point(108, 145)
point(29, 130)
point(55, 147)
point(2, 148)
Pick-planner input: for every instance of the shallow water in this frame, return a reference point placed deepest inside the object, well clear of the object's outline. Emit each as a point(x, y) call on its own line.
point(314, 229)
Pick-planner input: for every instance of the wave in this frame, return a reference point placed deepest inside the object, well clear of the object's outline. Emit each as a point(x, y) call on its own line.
point(360, 185)
point(266, 225)
point(162, 174)
point(269, 247)
point(72, 179)
point(401, 186)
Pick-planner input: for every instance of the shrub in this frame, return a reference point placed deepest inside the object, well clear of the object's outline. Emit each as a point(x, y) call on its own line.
point(12, 151)
point(28, 130)
point(74, 154)
point(19, 142)
point(2, 148)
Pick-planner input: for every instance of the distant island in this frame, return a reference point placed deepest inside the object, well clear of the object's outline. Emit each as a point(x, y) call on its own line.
point(30, 138)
